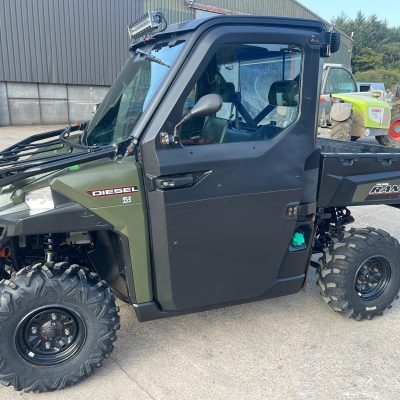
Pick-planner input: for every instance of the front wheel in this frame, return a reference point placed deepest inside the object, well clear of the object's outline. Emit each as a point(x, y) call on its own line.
point(56, 326)
point(392, 139)
point(359, 274)
point(342, 130)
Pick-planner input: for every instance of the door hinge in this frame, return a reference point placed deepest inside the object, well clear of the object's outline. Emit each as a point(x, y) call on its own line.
point(296, 210)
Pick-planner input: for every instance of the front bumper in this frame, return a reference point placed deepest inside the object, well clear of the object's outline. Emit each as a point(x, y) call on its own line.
point(372, 132)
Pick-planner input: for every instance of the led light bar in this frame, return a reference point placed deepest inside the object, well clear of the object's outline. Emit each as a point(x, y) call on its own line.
point(149, 23)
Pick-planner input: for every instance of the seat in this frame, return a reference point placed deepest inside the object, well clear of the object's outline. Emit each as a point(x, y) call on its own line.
point(281, 93)
point(214, 128)
point(284, 93)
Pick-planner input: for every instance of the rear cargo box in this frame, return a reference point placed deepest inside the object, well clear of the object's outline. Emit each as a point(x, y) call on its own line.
point(355, 173)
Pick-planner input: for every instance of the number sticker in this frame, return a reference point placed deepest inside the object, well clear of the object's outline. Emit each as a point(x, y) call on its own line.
point(127, 200)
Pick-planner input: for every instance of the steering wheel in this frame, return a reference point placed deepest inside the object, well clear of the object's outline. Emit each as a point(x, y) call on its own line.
point(242, 110)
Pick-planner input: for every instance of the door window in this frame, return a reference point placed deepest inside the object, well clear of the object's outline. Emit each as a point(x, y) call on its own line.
point(260, 88)
point(339, 80)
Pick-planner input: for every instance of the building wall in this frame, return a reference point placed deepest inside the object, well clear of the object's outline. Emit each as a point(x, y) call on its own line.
point(24, 103)
point(85, 42)
point(81, 42)
point(4, 113)
point(176, 11)
point(59, 56)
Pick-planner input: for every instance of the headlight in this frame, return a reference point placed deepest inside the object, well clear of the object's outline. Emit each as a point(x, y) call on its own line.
point(40, 200)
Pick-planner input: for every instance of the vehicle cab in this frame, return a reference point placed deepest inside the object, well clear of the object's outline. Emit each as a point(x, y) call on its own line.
point(335, 79)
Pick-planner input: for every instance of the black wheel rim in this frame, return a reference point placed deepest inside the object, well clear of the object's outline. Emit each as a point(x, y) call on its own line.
point(372, 278)
point(50, 336)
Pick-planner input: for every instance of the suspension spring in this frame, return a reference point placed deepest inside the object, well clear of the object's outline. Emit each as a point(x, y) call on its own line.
point(49, 248)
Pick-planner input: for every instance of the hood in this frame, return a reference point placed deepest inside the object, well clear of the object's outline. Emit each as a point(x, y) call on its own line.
point(362, 99)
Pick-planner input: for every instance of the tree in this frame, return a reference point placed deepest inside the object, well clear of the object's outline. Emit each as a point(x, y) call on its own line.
point(366, 60)
point(389, 77)
point(391, 55)
point(376, 46)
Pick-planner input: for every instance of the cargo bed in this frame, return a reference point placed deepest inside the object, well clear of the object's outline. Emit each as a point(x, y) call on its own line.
point(355, 173)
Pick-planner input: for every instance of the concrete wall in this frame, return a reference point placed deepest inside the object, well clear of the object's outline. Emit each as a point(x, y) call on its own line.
point(42, 103)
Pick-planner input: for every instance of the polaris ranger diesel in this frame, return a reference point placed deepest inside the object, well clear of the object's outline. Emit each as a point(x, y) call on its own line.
point(198, 183)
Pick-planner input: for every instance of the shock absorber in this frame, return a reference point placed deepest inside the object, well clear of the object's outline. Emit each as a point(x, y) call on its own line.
point(49, 248)
point(3, 273)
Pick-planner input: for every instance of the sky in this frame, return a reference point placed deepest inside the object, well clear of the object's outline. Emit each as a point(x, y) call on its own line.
point(384, 9)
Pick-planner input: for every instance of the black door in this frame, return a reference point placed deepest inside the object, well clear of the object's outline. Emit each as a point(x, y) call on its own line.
point(218, 202)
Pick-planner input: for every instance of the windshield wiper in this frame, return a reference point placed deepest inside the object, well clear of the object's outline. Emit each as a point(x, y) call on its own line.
point(151, 57)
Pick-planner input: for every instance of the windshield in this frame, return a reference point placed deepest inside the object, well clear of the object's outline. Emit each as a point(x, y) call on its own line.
point(131, 94)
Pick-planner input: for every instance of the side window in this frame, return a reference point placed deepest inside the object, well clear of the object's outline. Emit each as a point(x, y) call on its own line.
point(260, 88)
point(339, 81)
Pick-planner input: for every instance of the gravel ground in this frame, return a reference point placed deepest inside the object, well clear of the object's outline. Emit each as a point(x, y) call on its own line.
point(288, 348)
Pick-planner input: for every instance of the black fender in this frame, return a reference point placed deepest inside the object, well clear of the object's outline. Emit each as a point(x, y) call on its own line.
point(110, 256)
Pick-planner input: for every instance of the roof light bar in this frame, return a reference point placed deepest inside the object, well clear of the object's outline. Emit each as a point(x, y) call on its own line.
point(149, 23)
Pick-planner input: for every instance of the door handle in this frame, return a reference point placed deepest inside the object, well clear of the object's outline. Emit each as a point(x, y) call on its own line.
point(175, 182)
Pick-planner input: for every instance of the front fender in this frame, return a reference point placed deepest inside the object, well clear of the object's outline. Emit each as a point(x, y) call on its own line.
point(19, 220)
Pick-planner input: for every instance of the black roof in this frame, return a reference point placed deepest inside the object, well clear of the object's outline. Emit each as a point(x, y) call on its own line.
point(284, 22)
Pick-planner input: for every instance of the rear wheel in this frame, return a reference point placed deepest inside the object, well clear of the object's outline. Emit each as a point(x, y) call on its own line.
point(342, 130)
point(56, 325)
point(392, 139)
point(359, 275)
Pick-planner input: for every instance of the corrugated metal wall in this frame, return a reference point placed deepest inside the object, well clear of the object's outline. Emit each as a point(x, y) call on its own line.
point(86, 42)
point(65, 41)
point(176, 12)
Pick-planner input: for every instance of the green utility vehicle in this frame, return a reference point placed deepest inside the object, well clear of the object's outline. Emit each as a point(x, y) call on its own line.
point(199, 183)
point(352, 114)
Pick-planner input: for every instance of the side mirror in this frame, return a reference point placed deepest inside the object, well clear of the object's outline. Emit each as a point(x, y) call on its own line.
point(331, 44)
point(207, 105)
point(335, 42)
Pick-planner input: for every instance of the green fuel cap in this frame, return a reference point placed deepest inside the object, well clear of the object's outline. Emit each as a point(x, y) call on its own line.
point(298, 239)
